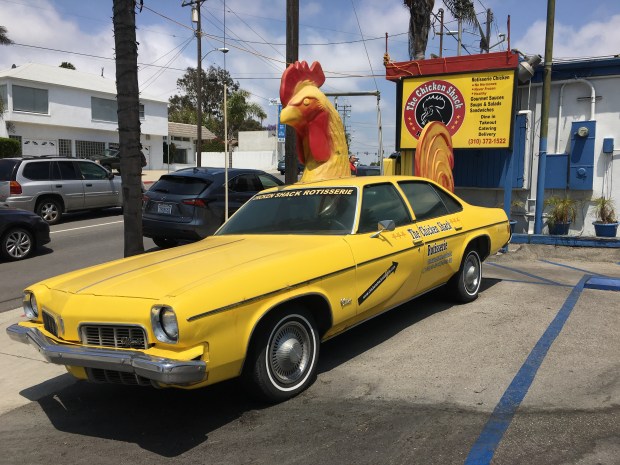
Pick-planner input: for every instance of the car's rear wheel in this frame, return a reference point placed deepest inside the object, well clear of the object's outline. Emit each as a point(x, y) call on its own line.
point(16, 244)
point(164, 242)
point(283, 356)
point(465, 284)
point(50, 210)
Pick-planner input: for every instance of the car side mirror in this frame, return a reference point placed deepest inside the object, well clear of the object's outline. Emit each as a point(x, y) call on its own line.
point(385, 225)
point(110, 175)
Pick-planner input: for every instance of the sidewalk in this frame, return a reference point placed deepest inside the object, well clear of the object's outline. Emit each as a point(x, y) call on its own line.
point(26, 376)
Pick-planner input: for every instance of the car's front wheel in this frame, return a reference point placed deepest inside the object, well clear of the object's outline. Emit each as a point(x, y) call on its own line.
point(465, 284)
point(16, 244)
point(50, 210)
point(283, 356)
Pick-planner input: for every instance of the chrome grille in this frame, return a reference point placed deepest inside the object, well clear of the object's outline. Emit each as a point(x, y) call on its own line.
point(98, 375)
point(49, 323)
point(120, 337)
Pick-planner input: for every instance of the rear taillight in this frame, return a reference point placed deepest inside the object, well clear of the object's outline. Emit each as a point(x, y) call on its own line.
point(16, 188)
point(195, 202)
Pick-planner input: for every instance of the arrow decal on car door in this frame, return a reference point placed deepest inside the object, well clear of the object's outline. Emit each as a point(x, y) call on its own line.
point(377, 283)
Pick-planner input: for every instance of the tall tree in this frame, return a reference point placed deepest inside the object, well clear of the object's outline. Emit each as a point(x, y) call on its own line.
point(183, 106)
point(419, 26)
point(242, 114)
point(124, 17)
point(4, 40)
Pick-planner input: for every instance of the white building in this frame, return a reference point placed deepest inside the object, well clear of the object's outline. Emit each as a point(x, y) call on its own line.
point(58, 111)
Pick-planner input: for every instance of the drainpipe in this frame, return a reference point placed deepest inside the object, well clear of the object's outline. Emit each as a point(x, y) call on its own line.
point(592, 108)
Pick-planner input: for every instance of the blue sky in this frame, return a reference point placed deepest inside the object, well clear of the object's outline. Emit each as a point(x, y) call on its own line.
point(346, 36)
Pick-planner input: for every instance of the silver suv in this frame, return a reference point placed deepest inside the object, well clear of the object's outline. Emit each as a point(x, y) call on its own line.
point(51, 186)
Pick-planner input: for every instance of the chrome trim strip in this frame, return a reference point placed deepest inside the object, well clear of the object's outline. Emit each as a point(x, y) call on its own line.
point(162, 370)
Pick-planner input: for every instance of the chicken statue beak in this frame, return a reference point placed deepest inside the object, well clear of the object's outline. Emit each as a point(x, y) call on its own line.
point(290, 115)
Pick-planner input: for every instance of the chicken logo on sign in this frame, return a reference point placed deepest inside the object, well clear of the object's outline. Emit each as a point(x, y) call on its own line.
point(434, 100)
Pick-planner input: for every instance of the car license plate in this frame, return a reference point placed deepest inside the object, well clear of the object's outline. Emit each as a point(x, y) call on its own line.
point(164, 208)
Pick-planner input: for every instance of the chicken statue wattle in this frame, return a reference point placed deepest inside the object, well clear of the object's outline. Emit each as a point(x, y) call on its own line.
point(321, 142)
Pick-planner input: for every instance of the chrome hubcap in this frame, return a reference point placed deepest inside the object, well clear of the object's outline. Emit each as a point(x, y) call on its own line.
point(471, 274)
point(49, 212)
point(18, 244)
point(289, 352)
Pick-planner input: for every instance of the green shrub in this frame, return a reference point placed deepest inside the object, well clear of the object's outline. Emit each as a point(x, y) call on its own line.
point(9, 147)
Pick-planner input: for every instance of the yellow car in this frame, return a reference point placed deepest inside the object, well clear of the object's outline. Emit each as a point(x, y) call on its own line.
point(293, 267)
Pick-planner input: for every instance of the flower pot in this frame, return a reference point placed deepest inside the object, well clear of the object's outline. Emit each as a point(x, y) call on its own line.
point(559, 229)
point(605, 229)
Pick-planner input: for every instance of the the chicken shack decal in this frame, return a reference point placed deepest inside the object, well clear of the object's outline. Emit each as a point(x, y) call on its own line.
point(476, 108)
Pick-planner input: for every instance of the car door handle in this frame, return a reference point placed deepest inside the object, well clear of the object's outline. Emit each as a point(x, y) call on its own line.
point(458, 227)
point(89, 185)
point(58, 185)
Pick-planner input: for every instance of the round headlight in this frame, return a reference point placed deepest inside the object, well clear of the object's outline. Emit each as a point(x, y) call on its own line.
point(165, 325)
point(31, 309)
point(169, 323)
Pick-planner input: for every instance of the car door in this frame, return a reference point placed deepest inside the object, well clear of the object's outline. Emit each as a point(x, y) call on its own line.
point(99, 190)
point(436, 214)
point(242, 188)
point(387, 264)
point(68, 182)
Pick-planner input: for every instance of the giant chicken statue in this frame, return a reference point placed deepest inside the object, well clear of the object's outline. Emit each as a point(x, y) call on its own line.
point(321, 142)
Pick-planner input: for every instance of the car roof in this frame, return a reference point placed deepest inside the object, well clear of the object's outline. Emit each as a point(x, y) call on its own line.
point(350, 181)
point(208, 171)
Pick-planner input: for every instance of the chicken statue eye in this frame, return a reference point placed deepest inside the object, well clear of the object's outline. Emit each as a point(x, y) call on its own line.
point(306, 101)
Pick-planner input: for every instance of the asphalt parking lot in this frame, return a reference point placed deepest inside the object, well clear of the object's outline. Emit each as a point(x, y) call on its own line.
point(529, 373)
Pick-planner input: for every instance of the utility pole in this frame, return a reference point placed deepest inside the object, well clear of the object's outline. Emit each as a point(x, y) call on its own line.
point(195, 4)
point(292, 55)
point(345, 111)
point(544, 118)
point(488, 34)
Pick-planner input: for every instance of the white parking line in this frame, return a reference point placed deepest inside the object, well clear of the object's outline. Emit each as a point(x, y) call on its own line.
point(85, 227)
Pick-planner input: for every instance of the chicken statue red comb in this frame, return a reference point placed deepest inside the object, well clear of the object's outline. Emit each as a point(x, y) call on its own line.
point(296, 74)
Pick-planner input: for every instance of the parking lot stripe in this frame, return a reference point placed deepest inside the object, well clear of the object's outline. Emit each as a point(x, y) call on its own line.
point(539, 283)
point(484, 448)
point(525, 273)
point(570, 267)
point(86, 227)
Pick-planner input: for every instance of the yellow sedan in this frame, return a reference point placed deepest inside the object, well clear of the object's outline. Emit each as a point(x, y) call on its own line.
point(293, 267)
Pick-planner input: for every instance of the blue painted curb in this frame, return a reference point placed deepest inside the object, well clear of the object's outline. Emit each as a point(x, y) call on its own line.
point(569, 241)
point(603, 283)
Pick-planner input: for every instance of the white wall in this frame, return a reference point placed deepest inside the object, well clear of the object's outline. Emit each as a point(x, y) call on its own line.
point(576, 106)
point(257, 141)
point(259, 160)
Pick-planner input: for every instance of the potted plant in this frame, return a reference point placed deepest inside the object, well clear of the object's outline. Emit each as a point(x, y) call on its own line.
point(517, 207)
point(606, 224)
point(562, 212)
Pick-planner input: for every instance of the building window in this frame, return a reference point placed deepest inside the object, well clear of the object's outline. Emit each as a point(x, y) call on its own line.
point(141, 110)
point(4, 97)
point(64, 147)
point(86, 149)
point(180, 156)
point(103, 109)
point(30, 99)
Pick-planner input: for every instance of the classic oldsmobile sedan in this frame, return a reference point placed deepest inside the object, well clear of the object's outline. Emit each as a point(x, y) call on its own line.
point(293, 267)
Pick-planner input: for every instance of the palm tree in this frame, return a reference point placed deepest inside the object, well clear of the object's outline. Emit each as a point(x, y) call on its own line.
point(464, 12)
point(124, 18)
point(4, 39)
point(419, 25)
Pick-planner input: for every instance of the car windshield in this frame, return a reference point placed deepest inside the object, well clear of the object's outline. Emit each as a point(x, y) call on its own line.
point(296, 211)
point(180, 185)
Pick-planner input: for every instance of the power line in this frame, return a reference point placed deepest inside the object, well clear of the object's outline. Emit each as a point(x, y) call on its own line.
point(365, 48)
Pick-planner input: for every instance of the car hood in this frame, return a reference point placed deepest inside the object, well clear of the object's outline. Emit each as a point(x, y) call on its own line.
point(245, 265)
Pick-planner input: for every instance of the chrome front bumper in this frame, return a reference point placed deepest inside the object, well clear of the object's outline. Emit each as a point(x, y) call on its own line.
point(162, 370)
